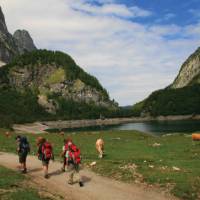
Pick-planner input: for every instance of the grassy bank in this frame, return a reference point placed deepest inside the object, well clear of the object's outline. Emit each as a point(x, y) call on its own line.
point(15, 186)
point(135, 157)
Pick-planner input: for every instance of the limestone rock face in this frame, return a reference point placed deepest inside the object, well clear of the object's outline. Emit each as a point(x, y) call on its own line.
point(24, 41)
point(8, 48)
point(190, 71)
point(2, 63)
point(12, 46)
point(3, 27)
point(41, 77)
point(29, 76)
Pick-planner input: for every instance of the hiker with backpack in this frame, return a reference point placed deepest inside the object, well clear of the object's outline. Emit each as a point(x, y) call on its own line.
point(23, 148)
point(45, 154)
point(73, 160)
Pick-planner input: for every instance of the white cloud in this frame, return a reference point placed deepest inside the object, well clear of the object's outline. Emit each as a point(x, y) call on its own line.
point(169, 16)
point(111, 9)
point(130, 59)
point(166, 18)
point(138, 12)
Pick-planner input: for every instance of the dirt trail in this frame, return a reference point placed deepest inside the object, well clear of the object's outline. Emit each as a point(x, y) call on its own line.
point(95, 188)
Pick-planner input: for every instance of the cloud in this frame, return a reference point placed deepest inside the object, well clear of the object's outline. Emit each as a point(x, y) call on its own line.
point(129, 58)
point(111, 9)
point(166, 18)
point(169, 16)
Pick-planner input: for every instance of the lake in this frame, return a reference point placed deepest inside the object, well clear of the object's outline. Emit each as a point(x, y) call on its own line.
point(155, 127)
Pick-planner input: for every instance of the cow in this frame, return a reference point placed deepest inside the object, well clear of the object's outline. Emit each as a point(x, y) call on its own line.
point(100, 147)
point(196, 136)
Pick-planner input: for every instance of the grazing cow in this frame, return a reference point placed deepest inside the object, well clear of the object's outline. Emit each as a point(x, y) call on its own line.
point(8, 134)
point(61, 133)
point(196, 136)
point(100, 147)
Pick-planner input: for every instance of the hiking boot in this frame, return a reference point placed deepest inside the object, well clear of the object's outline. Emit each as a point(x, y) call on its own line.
point(63, 169)
point(46, 176)
point(24, 171)
point(81, 184)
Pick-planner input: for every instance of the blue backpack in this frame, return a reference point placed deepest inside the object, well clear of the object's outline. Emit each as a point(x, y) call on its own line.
point(24, 145)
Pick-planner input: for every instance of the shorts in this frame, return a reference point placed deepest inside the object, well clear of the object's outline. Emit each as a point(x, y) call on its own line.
point(72, 166)
point(22, 157)
point(45, 162)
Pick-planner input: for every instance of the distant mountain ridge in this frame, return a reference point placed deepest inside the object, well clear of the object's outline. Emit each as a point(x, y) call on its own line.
point(13, 45)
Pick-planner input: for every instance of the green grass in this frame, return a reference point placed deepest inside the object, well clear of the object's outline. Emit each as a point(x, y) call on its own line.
point(12, 186)
point(57, 77)
point(127, 147)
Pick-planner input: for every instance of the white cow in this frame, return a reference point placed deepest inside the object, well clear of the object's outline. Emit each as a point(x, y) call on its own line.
point(100, 147)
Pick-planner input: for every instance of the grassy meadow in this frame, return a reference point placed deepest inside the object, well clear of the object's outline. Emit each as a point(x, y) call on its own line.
point(171, 162)
point(13, 186)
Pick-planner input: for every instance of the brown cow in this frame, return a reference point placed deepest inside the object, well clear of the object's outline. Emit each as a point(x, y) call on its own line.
point(100, 147)
point(8, 134)
point(196, 136)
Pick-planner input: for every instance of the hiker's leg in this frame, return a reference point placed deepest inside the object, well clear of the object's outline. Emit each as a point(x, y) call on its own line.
point(21, 166)
point(45, 164)
point(71, 173)
point(24, 164)
point(22, 160)
point(64, 164)
point(77, 170)
point(45, 168)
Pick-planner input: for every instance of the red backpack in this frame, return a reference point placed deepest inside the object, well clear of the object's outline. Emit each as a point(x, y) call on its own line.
point(75, 153)
point(47, 150)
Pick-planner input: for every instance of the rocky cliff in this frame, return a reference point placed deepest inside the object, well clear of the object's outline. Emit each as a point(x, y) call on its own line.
point(11, 46)
point(24, 41)
point(190, 71)
point(55, 79)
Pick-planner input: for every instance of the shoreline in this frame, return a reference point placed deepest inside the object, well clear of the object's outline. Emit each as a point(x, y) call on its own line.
point(42, 127)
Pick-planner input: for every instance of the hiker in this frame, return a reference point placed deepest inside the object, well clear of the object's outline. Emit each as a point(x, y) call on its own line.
point(64, 155)
point(100, 147)
point(45, 154)
point(23, 149)
point(73, 161)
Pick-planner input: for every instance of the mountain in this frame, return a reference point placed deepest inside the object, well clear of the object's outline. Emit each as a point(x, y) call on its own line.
point(182, 97)
point(189, 73)
point(44, 85)
point(13, 45)
point(8, 47)
point(24, 41)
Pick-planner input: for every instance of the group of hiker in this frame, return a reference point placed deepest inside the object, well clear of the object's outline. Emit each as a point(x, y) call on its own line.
point(70, 153)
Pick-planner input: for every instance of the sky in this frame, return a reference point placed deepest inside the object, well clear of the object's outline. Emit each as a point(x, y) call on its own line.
point(133, 47)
